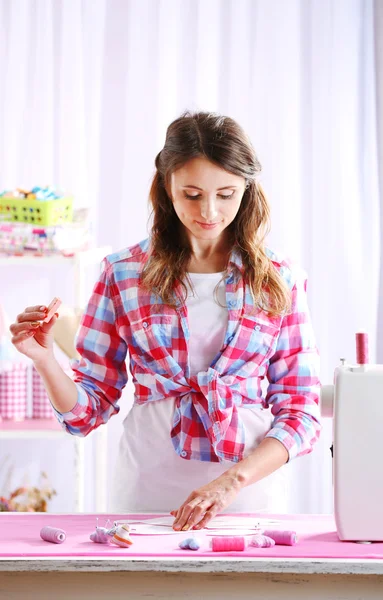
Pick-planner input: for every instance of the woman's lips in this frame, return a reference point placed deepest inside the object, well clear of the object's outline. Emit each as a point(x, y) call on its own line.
point(207, 225)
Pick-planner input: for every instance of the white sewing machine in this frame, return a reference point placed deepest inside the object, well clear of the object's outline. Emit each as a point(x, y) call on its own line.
point(355, 402)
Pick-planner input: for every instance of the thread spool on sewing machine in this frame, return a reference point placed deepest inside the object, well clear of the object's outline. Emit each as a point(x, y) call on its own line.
point(355, 402)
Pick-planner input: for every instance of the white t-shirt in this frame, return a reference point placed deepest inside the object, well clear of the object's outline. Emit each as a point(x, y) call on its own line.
point(149, 475)
point(207, 319)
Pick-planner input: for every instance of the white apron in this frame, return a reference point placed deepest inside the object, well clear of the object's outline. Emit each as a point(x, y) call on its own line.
point(151, 477)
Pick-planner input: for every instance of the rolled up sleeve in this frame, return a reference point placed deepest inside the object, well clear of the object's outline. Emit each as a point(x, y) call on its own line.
point(100, 374)
point(293, 375)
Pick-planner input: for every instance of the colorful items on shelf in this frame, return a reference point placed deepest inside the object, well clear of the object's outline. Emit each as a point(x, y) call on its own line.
point(37, 193)
point(39, 206)
point(19, 239)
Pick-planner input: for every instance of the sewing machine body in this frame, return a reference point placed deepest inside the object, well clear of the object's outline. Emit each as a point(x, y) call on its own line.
point(358, 452)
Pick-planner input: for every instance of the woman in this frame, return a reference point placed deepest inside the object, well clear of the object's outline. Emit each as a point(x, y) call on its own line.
point(206, 312)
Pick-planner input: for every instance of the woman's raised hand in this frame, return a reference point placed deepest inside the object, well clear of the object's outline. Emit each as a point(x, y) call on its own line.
point(31, 336)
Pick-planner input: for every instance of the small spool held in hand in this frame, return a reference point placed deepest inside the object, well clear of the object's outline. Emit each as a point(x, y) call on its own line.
point(52, 308)
point(52, 534)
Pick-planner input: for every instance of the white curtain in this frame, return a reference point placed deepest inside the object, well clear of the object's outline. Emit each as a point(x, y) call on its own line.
point(378, 30)
point(88, 88)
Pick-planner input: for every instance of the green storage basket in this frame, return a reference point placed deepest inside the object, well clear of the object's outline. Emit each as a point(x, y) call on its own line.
point(39, 212)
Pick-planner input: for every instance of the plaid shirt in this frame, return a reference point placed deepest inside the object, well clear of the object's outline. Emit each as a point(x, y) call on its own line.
point(123, 317)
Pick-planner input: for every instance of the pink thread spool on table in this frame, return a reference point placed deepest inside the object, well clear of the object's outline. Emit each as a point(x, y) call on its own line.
point(282, 538)
point(261, 540)
point(52, 534)
point(228, 544)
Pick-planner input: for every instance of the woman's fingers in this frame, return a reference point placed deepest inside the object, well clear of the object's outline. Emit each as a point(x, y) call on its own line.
point(190, 513)
point(47, 325)
point(184, 512)
point(18, 328)
point(209, 514)
point(31, 315)
point(27, 327)
point(38, 308)
point(22, 336)
point(28, 320)
point(199, 512)
point(195, 515)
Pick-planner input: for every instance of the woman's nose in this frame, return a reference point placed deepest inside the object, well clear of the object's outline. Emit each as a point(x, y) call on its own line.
point(209, 209)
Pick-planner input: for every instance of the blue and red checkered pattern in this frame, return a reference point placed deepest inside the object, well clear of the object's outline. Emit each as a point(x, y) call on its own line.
point(123, 318)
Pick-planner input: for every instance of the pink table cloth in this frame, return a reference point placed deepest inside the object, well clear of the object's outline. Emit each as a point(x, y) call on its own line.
point(317, 538)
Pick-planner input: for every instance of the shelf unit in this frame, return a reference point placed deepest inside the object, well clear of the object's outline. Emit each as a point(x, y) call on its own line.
point(31, 428)
point(50, 428)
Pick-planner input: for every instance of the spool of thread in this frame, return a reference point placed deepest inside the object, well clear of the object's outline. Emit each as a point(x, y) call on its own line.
point(228, 544)
point(282, 538)
point(361, 339)
point(121, 537)
point(262, 541)
point(51, 534)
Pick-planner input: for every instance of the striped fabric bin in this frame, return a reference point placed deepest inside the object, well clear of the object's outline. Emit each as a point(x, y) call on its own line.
point(13, 392)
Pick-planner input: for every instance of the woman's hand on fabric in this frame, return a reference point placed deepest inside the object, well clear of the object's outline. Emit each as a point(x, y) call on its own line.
point(206, 502)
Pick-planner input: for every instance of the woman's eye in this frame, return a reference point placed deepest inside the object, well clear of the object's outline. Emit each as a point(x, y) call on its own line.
point(196, 197)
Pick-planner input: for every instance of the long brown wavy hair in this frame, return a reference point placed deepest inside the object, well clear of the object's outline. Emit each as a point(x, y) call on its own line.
point(223, 142)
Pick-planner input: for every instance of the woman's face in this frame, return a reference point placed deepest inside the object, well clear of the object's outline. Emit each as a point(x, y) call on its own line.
point(206, 198)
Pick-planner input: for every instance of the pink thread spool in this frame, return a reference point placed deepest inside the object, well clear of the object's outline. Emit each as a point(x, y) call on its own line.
point(262, 541)
point(51, 534)
point(228, 544)
point(361, 339)
point(282, 538)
